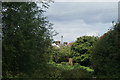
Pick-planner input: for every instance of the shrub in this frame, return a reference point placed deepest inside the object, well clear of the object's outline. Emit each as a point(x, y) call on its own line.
point(63, 63)
point(76, 73)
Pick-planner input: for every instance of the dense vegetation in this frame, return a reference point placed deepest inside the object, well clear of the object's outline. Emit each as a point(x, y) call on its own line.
point(82, 49)
point(27, 50)
point(25, 30)
point(106, 53)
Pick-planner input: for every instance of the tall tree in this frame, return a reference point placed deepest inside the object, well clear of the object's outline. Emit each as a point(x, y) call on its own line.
point(26, 37)
point(82, 49)
point(105, 54)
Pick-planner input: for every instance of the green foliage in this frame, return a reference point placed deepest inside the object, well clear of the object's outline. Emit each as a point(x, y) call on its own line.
point(105, 54)
point(76, 71)
point(55, 73)
point(26, 38)
point(61, 54)
point(63, 63)
point(81, 49)
point(69, 67)
point(65, 51)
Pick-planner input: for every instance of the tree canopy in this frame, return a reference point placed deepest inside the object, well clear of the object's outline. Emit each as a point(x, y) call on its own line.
point(82, 49)
point(105, 54)
point(26, 38)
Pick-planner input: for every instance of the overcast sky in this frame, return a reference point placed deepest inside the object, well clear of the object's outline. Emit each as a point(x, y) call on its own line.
point(75, 19)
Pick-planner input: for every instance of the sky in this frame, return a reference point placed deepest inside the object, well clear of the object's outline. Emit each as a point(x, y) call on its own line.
point(74, 19)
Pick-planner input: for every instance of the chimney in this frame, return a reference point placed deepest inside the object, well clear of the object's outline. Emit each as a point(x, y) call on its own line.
point(61, 39)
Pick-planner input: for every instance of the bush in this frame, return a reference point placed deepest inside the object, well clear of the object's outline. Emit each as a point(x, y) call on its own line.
point(76, 73)
point(63, 63)
point(60, 54)
point(68, 71)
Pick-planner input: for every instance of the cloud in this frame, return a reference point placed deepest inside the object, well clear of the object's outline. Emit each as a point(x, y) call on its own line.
point(71, 31)
point(77, 19)
point(89, 12)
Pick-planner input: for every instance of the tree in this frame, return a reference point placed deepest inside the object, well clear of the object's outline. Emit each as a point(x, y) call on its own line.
point(105, 54)
point(82, 49)
point(26, 38)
